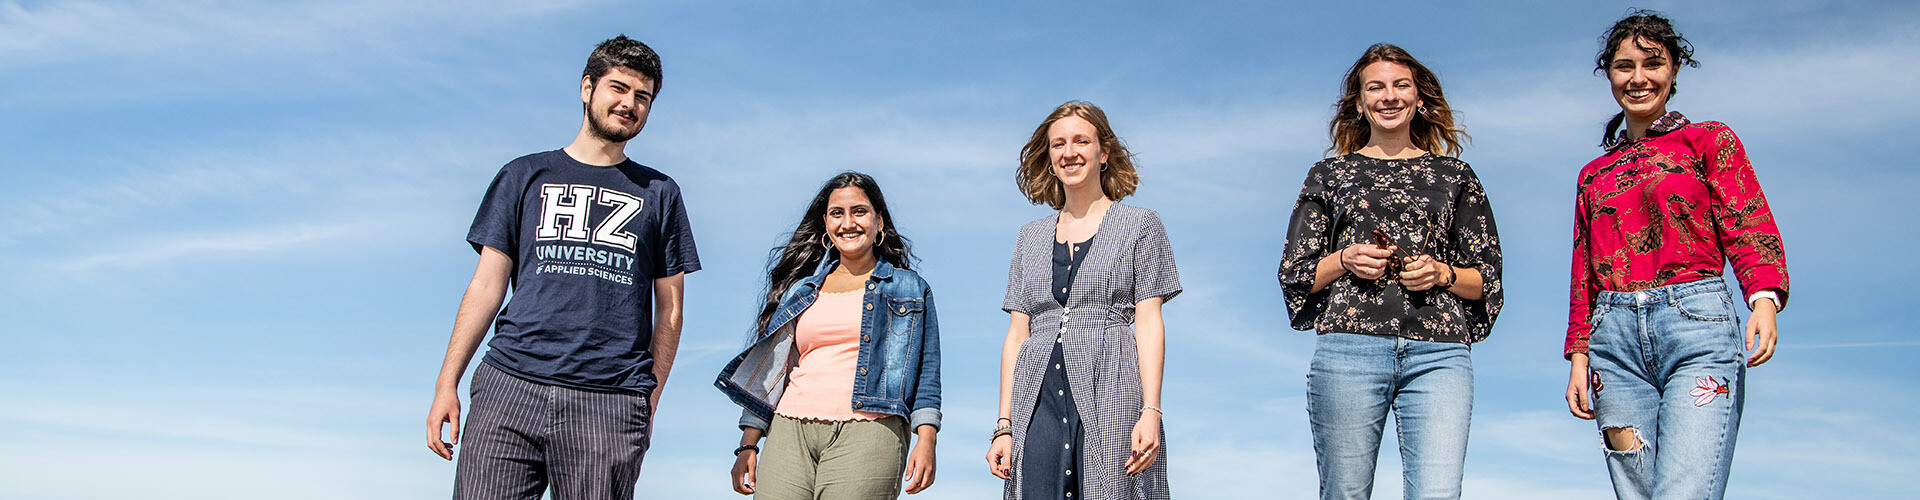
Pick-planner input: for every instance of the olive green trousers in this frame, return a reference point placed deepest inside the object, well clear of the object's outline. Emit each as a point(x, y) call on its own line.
point(816, 460)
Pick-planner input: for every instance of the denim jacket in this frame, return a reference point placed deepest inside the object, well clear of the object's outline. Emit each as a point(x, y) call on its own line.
point(899, 365)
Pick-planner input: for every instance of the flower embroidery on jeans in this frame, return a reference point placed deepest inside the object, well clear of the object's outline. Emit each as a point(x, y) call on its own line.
point(1593, 380)
point(1706, 388)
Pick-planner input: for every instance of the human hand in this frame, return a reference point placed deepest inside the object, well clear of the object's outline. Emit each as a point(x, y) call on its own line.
point(1000, 457)
point(1579, 399)
point(1146, 442)
point(1422, 272)
point(1366, 260)
point(1761, 333)
point(445, 410)
point(744, 466)
point(920, 465)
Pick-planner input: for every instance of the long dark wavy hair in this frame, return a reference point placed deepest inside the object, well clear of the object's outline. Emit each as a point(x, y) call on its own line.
point(805, 248)
point(1433, 130)
point(1642, 25)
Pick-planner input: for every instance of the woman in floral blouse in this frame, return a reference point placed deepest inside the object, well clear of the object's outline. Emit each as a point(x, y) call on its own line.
point(1657, 350)
point(1394, 321)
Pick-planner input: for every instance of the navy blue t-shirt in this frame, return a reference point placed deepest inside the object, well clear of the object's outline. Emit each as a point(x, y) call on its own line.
point(587, 241)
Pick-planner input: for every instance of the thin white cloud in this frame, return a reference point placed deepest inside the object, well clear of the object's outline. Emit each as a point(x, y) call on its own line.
point(1831, 87)
point(139, 189)
point(193, 423)
point(130, 467)
point(1857, 345)
point(1554, 436)
point(257, 239)
point(1243, 468)
point(1523, 488)
point(78, 31)
point(232, 438)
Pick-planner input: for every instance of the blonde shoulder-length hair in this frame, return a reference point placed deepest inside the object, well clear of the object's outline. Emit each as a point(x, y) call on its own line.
point(1035, 176)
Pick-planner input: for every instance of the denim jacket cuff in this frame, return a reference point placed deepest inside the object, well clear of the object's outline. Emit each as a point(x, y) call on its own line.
point(748, 419)
point(924, 416)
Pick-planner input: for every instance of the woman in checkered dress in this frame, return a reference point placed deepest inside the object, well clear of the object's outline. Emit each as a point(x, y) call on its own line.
point(1081, 368)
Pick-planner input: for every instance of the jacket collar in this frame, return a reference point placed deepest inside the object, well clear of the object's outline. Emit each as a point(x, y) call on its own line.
point(881, 270)
point(1669, 122)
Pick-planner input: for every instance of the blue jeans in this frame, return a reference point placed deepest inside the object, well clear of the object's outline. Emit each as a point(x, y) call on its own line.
point(1669, 363)
point(1356, 378)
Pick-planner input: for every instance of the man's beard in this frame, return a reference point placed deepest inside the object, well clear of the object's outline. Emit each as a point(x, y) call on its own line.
point(606, 131)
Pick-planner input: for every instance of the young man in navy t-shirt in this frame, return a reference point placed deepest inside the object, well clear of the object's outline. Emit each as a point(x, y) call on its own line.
point(595, 247)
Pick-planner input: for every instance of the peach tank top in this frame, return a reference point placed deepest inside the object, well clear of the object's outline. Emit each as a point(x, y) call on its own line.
point(828, 338)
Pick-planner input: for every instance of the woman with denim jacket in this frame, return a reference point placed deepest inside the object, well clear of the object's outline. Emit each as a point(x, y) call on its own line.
point(1081, 367)
point(1656, 347)
point(1393, 258)
point(845, 360)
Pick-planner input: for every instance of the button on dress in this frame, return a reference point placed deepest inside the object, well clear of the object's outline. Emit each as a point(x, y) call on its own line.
point(1053, 436)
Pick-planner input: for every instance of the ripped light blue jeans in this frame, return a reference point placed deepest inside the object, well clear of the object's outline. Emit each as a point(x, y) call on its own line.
point(1356, 378)
point(1669, 363)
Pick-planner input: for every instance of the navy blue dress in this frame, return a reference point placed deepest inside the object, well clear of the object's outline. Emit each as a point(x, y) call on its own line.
point(1053, 436)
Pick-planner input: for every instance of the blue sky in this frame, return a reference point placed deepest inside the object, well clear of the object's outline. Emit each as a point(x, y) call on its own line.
point(232, 234)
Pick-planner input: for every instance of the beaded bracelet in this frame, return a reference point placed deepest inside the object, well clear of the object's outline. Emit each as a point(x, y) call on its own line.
point(745, 447)
point(1004, 430)
point(1157, 409)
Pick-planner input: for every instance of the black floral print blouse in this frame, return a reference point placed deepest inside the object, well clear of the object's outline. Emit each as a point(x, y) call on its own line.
point(1431, 205)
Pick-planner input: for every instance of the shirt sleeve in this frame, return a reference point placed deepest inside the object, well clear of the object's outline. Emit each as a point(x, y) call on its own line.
point(1476, 244)
point(1740, 211)
point(497, 224)
point(1016, 280)
point(1582, 285)
point(675, 252)
point(1309, 239)
point(1154, 272)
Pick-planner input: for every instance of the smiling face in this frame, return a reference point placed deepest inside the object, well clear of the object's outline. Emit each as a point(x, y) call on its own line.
point(852, 223)
point(1642, 78)
point(1073, 148)
point(618, 104)
point(1388, 96)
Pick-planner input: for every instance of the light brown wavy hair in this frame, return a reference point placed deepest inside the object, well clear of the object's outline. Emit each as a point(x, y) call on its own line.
point(1035, 176)
point(1433, 130)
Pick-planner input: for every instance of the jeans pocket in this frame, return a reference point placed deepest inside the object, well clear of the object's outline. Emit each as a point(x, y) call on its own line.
point(1705, 307)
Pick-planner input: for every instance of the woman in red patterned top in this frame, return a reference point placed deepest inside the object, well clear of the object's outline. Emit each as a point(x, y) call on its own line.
point(1658, 354)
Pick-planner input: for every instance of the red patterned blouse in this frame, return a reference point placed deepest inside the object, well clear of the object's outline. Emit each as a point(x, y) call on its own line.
point(1670, 208)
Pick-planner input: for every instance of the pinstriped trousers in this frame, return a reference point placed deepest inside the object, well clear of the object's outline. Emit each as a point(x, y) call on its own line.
point(522, 437)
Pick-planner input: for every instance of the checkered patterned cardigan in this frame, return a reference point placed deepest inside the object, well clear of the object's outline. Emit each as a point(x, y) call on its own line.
point(1130, 260)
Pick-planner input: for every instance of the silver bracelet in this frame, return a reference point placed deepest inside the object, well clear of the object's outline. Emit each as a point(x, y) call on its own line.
point(1157, 410)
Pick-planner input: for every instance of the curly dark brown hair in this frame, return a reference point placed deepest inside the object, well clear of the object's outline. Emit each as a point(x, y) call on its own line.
point(1644, 27)
point(623, 52)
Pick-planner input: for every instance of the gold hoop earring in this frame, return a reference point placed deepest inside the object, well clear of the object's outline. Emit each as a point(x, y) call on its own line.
point(826, 241)
point(881, 239)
